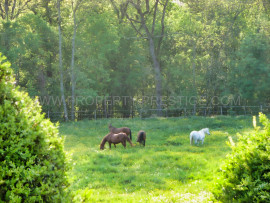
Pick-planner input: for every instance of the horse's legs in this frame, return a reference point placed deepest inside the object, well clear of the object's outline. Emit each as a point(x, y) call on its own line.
point(144, 143)
point(124, 143)
point(115, 145)
point(110, 144)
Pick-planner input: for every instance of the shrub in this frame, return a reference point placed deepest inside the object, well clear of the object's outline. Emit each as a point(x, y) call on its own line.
point(245, 175)
point(32, 160)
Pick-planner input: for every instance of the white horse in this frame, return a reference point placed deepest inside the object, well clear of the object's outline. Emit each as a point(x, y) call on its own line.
point(198, 135)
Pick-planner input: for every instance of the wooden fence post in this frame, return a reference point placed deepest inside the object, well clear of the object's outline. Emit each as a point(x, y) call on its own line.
point(194, 110)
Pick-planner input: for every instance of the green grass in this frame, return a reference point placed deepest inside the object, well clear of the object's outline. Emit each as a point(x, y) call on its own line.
point(168, 169)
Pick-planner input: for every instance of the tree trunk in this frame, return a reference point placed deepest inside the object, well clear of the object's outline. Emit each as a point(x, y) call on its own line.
point(6, 9)
point(61, 63)
point(140, 19)
point(194, 66)
point(157, 75)
point(48, 11)
point(73, 79)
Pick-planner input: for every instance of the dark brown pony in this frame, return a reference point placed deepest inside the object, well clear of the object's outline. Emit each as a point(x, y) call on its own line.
point(115, 139)
point(120, 130)
point(141, 137)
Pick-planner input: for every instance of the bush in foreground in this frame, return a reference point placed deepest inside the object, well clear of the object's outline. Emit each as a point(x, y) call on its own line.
point(32, 160)
point(245, 175)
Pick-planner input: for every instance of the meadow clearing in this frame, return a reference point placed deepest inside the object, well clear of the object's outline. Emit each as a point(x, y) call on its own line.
point(168, 169)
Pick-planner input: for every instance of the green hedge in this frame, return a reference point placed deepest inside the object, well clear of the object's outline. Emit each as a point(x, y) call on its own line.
point(245, 176)
point(32, 160)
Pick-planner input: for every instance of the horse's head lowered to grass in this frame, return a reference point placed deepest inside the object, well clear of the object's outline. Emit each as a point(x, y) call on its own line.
point(141, 137)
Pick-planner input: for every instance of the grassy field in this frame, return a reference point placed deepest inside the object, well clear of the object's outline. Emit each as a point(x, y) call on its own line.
point(168, 169)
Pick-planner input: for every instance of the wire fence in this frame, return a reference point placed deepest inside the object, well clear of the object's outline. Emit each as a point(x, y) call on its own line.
point(151, 113)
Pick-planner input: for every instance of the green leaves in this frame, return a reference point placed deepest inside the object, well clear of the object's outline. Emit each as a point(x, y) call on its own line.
point(244, 177)
point(32, 161)
point(252, 68)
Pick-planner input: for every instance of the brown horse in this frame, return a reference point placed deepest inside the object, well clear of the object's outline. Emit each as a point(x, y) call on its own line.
point(120, 130)
point(115, 139)
point(141, 137)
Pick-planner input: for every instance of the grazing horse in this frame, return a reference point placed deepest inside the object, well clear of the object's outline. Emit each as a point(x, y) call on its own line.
point(120, 130)
point(198, 135)
point(141, 137)
point(115, 139)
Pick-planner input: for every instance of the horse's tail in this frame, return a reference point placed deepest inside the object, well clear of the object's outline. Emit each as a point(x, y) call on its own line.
point(129, 140)
point(130, 134)
point(191, 138)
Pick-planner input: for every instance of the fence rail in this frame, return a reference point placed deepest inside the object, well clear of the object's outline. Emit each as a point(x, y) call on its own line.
point(149, 113)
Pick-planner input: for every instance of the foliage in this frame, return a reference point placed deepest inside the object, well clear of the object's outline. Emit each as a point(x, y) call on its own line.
point(30, 45)
point(245, 175)
point(252, 72)
point(209, 49)
point(32, 160)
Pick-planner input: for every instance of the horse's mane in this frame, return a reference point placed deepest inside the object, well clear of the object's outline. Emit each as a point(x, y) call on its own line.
point(204, 129)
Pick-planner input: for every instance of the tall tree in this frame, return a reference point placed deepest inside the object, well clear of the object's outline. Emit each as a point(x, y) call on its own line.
point(139, 21)
point(75, 6)
point(61, 62)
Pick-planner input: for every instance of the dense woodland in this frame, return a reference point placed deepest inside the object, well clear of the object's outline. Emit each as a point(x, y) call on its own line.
point(129, 50)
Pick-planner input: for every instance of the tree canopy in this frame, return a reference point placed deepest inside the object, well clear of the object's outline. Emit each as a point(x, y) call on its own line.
point(135, 49)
